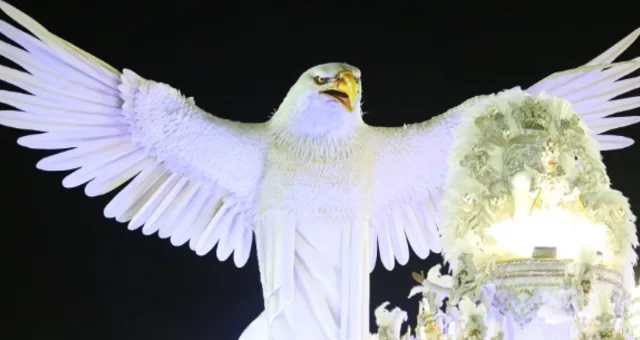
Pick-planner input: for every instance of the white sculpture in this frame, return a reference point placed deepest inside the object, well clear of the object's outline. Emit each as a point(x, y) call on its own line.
point(321, 190)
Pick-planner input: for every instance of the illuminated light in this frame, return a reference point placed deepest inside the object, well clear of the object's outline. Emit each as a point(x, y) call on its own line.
point(558, 228)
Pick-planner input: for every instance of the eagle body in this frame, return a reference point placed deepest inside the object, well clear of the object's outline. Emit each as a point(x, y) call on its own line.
point(313, 207)
point(333, 185)
point(323, 194)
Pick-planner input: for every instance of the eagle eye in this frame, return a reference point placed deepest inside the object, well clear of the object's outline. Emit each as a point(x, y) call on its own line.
point(320, 80)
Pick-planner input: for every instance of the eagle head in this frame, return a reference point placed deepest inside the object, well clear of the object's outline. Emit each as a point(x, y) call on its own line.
point(324, 102)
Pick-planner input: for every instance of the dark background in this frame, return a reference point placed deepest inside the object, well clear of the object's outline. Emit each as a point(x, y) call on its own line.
point(71, 274)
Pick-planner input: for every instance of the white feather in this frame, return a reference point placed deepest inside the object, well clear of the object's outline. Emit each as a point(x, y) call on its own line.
point(114, 127)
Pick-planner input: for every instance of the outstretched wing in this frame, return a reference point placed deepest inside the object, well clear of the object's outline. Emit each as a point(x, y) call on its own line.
point(409, 171)
point(194, 175)
point(591, 89)
point(411, 162)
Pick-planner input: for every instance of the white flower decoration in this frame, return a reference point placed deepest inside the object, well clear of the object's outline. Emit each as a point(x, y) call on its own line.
point(389, 322)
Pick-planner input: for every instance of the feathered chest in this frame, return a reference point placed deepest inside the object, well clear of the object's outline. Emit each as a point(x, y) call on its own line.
point(322, 184)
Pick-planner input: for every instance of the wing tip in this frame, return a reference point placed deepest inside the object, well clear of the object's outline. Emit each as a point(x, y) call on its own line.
point(24, 141)
point(11, 11)
point(631, 120)
point(635, 34)
point(4, 5)
point(614, 142)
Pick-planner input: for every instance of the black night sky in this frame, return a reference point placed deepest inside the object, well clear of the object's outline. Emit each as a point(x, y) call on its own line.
point(73, 274)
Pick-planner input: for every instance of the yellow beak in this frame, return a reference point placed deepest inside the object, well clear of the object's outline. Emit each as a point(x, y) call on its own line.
point(344, 89)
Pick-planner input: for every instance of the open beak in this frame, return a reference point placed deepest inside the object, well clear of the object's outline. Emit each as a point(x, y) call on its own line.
point(344, 89)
